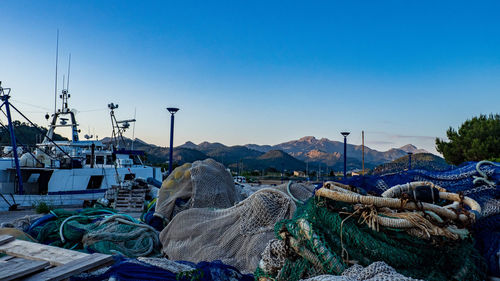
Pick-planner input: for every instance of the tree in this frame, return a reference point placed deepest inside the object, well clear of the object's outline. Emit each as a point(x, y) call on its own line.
point(25, 133)
point(477, 139)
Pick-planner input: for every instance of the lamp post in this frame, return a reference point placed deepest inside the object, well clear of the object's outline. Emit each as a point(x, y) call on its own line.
point(345, 134)
point(282, 172)
point(409, 160)
point(172, 111)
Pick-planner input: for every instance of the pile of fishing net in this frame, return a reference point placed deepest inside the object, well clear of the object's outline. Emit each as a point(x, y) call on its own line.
point(203, 184)
point(477, 180)
point(96, 230)
point(22, 223)
point(340, 227)
point(163, 269)
point(235, 235)
point(377, 271)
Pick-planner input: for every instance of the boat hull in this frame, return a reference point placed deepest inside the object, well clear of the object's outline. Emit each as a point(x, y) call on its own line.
point(60, 187)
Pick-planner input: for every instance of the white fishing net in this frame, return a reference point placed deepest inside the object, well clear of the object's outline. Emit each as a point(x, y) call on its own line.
point(204, 224)
point(201, 184)
point(236, 236)
point(298, 190)
point(377, 271)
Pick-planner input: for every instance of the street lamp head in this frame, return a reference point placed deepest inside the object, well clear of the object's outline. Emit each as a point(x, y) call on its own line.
point(345, 134)
point(172, 110)
point(410, 153)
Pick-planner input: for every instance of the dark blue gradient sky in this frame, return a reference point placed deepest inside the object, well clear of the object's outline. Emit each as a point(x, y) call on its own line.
point(260, 71)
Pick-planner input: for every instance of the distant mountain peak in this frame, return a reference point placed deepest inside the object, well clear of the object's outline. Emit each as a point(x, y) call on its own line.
point(189, 144)
point(413, 149)
point(309, 139)
point(315, 153)
point(276, 153)
point(408, 146)
point(141, 141)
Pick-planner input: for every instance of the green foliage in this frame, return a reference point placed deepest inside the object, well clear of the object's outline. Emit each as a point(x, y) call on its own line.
point(25, 134)
point(477, 139)
point(42, 207)
point(424, 161)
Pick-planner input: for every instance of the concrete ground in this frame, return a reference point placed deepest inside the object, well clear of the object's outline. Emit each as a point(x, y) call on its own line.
point(9, 216)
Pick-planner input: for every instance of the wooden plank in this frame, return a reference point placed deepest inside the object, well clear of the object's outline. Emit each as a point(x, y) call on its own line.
point(17, 268)
point(130, 200)
point(4, 239)
point(35, 251)
point(132, 190)
point(89, 262)
point(130, 204)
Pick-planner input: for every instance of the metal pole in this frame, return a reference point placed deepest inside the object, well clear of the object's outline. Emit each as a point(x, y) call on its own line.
point(14, 146)
point(363, 151)
point(170, 156)
point(345, 134)
point(409, 160)
point(307, 170)
point(345, 157)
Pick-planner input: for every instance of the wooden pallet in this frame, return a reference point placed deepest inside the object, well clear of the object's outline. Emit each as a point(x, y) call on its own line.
point(33, 261)
point(130, 200)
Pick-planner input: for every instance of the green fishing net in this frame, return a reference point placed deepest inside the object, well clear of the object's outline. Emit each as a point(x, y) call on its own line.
point(335, 237)
point(98, 230)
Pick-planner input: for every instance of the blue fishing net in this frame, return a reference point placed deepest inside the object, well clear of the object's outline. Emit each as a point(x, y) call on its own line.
point(485, 191)
point(133, 270)
point(455, 180)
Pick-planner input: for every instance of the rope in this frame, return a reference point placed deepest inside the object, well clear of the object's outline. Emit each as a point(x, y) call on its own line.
point(397, 203)
point(484, 176)
point(424, 223)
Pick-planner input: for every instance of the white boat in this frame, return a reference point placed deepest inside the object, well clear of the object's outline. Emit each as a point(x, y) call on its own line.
point(68, 172)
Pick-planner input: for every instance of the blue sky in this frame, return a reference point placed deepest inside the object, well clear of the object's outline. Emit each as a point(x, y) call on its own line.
point(259, 71)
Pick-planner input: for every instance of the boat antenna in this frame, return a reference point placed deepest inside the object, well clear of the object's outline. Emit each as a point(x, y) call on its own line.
point(69, 68)
point(57, 57)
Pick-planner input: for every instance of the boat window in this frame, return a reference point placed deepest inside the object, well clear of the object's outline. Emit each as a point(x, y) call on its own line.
point(33, 178)
point(109, 159)
point(137, 160)
point(99, 159)
point(95, 182)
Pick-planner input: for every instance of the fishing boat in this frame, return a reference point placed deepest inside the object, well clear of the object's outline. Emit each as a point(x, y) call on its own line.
point(63, 173)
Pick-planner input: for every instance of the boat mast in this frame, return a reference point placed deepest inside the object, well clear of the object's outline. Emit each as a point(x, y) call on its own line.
point(119, 127)
point(55, 87)
point(64, 111)
point(5, 98)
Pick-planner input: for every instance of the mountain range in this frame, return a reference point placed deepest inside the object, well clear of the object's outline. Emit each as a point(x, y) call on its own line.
point(330, 153)
point(298, 154)
point(304, 153)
